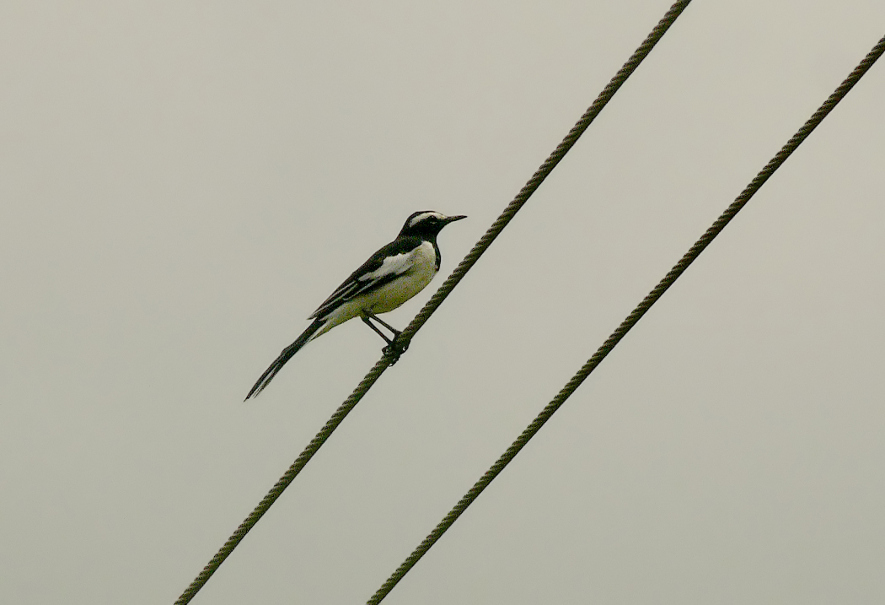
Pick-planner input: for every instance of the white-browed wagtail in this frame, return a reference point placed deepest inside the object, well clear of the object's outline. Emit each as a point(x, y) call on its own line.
point(390, 277)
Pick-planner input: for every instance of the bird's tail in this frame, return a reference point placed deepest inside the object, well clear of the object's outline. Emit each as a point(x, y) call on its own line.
point(285, 356)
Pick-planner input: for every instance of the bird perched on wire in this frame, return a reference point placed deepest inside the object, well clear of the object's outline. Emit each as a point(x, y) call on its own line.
point(390, 277)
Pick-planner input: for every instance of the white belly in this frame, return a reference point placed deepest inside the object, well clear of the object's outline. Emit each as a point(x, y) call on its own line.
point(388, 297)
point(392, 295)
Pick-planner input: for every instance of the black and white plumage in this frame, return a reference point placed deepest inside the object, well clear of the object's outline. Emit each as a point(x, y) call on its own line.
point(390, 277)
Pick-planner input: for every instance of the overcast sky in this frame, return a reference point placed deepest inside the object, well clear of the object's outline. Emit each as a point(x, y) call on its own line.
point(183, 183)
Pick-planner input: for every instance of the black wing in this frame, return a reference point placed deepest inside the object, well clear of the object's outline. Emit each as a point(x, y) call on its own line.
point(383, 267)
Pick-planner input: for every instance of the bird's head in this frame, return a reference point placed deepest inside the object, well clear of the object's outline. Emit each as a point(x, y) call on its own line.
point(427, 223)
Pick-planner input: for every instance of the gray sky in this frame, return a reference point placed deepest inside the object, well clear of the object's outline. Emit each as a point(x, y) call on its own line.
point(184, 182)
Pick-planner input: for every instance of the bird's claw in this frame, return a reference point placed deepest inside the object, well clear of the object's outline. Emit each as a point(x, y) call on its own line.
point(395, 349)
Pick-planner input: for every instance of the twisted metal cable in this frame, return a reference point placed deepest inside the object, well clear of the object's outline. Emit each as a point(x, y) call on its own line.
point(546, 168)
point(436, 300)
point(284, 481)
point(631, 320)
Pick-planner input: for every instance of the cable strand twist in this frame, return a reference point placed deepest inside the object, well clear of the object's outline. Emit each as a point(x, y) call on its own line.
point(630, 321)
point(436, 300)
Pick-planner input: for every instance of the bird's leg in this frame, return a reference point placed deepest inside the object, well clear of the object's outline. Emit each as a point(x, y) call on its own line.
point(385, 324)
point(377, 330)
point(393, 348)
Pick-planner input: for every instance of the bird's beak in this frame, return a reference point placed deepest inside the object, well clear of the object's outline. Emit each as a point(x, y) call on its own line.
point(452, 219)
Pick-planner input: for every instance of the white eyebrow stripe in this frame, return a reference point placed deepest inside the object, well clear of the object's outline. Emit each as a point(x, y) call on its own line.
point(424, 216)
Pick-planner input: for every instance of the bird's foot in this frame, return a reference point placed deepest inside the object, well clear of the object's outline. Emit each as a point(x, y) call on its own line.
point(394, 349)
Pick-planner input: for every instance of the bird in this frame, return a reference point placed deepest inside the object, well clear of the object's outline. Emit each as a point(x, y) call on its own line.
point(389, 278)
